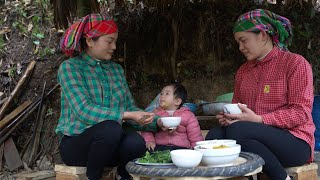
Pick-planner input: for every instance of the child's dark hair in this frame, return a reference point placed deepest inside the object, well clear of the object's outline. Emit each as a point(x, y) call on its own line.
point(179, 91)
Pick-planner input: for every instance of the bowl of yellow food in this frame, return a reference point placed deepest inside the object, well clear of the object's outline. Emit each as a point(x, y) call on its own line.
point(217, 141)
point(218, 154)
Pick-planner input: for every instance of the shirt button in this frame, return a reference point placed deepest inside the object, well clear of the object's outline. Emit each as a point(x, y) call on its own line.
point(98, 63)
point(104, 81)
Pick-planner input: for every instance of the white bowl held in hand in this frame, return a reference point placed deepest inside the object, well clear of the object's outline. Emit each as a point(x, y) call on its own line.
point(232, 109)
point(213, 156)
point(171, 122)
point(186, 158)
point(226, 142)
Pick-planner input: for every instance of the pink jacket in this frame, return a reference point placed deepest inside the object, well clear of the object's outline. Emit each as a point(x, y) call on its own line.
point(186, 135)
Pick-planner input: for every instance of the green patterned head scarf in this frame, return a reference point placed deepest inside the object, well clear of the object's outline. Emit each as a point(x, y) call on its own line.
point(278, 27)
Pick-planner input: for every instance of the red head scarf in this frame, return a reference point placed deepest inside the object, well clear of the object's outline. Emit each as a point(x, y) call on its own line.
point(90, 26)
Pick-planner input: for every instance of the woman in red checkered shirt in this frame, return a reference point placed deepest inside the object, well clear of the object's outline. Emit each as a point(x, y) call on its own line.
point(274, 90)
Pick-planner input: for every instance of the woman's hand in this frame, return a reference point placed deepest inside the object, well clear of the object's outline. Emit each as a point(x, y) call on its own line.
point(140, 117)
point(150, 145)
point(164, 128)
point(223, 120)
point(161, 126)
point(246, 115)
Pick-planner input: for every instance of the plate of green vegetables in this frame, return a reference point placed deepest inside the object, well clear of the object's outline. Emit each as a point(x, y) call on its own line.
point(156, 158)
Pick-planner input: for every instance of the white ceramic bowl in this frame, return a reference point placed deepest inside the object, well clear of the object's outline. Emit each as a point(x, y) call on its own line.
point(218, 157)
point(186, 158)
point(232, 109)
point(217, 141)
point(171, 122)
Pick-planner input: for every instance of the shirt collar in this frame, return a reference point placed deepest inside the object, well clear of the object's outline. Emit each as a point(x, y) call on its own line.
point(271, 55)
point(93, 62)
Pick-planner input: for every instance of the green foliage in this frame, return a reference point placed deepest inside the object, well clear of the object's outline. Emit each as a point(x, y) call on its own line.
point(312, 13)
point(143, 77)
point(20, 27)
point(49, 112)
point(306, 32)
point(32, 25)
point(187, 73)
point(43, 6)
point(36, 19)
point(36, 42)
point(103, 2)
point(37, 35)
point(44, 15)
point(156, 157)
point(306, 40)
point(46, 52)
point(2, 42)
point(12, 71)
point(20, 10)
point(313, 57)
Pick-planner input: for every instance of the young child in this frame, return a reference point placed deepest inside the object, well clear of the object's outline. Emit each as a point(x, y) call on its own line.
point(186, 134)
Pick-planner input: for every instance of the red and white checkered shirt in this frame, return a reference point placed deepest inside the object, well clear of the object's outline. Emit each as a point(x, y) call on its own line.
point(280, 89)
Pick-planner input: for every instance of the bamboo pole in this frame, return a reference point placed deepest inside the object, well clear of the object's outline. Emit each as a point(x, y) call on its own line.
point(17, 88)
point(3, 100)
point(32, 148)
point(14, 113)
point(4, 133)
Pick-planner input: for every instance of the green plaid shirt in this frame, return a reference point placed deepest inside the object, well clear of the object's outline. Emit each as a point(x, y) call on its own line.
point(91, 92)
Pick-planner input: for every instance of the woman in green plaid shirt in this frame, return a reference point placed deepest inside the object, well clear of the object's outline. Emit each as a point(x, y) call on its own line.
point(96, 101)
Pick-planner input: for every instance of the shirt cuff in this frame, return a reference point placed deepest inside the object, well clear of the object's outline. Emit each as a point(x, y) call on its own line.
point(121, 116)
point(267, 119)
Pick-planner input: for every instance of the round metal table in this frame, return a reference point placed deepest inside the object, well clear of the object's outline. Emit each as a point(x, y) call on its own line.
point(246, 165)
